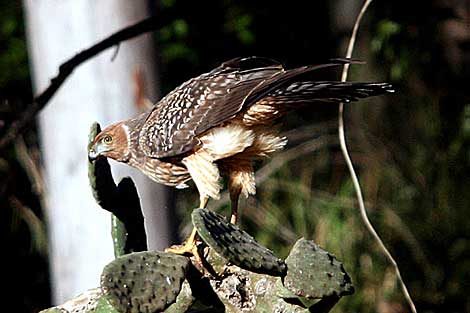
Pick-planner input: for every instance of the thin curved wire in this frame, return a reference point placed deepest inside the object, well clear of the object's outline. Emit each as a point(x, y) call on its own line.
point(355, 180)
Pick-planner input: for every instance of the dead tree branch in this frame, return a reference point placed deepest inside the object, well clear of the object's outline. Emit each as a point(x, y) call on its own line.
point(66, 69)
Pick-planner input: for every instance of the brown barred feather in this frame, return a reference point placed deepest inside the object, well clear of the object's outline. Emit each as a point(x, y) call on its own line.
point(223, 120)
point(214, 98)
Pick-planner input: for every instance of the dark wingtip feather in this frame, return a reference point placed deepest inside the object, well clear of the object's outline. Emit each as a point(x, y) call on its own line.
point(346, 61)
point(389, 88)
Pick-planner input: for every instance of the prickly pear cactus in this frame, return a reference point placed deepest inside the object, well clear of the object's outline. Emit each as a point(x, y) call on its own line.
point(99, 175)
point(315, 273)
point(236, 274)
point(314, 281)
point(234, 244)
point(144, 282)
point(122, 201)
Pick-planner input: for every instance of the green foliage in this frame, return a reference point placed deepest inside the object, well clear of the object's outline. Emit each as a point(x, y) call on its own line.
point(13, 54)
point(382, 43)
point(104, 306)
point(239, 23)
point(173, 38)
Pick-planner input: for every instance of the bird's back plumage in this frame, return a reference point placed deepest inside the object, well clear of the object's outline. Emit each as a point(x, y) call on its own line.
point(219, 122)
point(216, 97)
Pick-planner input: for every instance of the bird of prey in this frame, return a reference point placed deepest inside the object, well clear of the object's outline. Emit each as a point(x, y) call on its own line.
point(219, 123)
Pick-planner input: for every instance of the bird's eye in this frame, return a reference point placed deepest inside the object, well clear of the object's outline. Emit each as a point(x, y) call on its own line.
point(107, 139)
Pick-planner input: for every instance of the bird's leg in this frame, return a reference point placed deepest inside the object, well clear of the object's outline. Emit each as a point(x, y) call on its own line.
point(234, 196)
point(203, 199)
point(241, 180)
point(190, 246)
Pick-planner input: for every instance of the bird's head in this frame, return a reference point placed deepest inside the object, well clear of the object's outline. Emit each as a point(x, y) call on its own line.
point(112, 142)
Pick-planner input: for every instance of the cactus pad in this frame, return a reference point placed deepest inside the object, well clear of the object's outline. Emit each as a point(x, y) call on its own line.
point(122, 201)
point(144, 282)
point(315, 273)
point(237, 246)
point(99, 174)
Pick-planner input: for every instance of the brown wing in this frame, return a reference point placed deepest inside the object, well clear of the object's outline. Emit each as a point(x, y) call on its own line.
point(201, 103)
point(211, 99)
point(325, 91)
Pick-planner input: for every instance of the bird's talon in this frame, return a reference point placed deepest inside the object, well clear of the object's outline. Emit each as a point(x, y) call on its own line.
point(189, 248)
point(185, 251)
point(180, 249)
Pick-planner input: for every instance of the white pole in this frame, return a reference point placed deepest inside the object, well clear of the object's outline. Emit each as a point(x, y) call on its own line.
point(99, 90)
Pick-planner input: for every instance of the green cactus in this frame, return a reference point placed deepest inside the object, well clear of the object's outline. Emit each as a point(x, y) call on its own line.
point(122, 201)
point(315, 273)
point(237, 274)
point(164, 282)
point(144, 282)
point(184, 301)
point(103, 305)
point(237, 246)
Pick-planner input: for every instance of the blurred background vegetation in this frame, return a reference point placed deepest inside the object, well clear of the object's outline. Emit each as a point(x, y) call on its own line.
point(411, 149)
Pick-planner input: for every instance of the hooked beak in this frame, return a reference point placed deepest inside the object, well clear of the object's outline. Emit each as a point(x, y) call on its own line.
point(92, 155)
point(94, 152)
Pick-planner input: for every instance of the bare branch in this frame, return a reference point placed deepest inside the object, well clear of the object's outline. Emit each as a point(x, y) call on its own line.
point(354, 178)
point(35, 225)
point(32, 169)
point(40, 101)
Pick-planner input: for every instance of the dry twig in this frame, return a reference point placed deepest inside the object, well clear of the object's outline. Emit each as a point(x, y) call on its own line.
point(31, 167)
point(354, 178)
point(35, 225)
point(66, 69)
